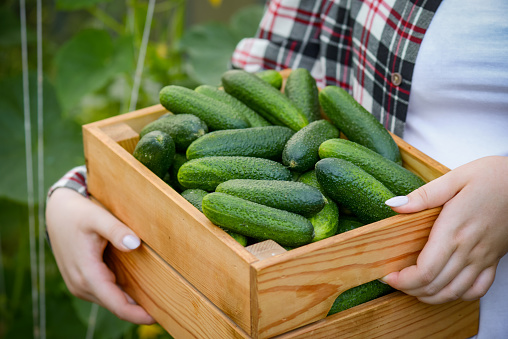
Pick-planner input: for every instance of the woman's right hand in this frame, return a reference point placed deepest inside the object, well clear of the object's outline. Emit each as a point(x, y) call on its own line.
point(79, 231)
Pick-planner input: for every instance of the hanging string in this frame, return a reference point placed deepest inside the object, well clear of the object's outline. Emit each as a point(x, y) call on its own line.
point(40, 177)
point(141, 57)
point(29, 168)
point(92, 318)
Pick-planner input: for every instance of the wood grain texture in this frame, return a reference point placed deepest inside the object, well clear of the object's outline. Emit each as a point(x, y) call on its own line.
point(311, 277)
point(168, 297)
point(396, 316)
point(204, 254)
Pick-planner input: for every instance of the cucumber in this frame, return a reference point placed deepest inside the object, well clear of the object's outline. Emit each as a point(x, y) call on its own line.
point(179, 160)
point(156, 150)
point(195, 197)
point(357, 123)
point(206, 173)
point(348, 223)
point(263, 98)
point(352, 187)
point(257, 221)
point(359, 295)
point(396, 178)
point(217, 115)
point(261, 142)
point(183, 128)
point(326, 221)
point(301, 151)
point(272, 77)
point(301, 89)
point(291, 196)
point(254, 119)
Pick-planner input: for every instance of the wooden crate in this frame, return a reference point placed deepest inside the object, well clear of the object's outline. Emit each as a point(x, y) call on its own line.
point(196, 281)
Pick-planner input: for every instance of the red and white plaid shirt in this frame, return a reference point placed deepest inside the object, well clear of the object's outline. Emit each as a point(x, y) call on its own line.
point(368, 47)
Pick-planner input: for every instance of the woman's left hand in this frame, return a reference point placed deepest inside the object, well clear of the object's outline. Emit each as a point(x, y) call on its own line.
point(468, 238)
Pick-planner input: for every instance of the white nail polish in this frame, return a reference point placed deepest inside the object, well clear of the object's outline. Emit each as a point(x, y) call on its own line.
point(131, 242)
point(397, 201)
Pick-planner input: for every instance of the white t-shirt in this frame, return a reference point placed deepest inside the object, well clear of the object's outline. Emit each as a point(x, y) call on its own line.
point(458, 108)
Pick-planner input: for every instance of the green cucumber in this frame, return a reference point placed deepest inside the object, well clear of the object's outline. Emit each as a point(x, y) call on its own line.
point(206, 173)
point(271, 76)
point(156, 150)
point(254, 119)
point(359, 295)
point(257, 221)
point(290, 196)
point(396, 178)
point(183, 128)
point(352, 187)
point(266, 100)
point(348, 223)
point(179, 160)
point(195, 197)
point(357, 123)
point(326, 221)
point(261, 142)
point(301, 89)
point(301, 151)
point(217, 115)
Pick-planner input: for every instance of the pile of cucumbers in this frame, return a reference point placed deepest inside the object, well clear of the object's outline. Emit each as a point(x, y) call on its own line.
point(262, 162)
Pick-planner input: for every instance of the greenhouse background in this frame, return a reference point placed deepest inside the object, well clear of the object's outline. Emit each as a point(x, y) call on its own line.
point(65, 63)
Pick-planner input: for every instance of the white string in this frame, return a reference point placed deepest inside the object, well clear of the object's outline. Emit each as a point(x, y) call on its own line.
point(40, 171)
point(92, 319)
point(141, 57)
point(29, 168)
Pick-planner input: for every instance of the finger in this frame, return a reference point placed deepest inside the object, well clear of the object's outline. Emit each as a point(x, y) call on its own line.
point(112, 297)
point(429, 264)
point(456, 288)
point(433, 194)
point(113, 230)
point(481, 284)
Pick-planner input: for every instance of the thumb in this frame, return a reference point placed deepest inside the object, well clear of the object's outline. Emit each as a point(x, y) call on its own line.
point(433, 194)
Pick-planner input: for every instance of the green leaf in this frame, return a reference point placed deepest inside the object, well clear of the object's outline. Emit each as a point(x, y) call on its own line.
point(70, 5)
point(88, 62)
point(63, 147)
point(245, 22)
point(209, 46)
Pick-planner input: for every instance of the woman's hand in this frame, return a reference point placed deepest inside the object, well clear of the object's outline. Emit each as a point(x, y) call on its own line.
point(79, 231)
point(468, 238)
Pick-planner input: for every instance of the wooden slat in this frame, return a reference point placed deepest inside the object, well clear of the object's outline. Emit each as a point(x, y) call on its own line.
point(300, 286)
point(175, 304)
point(204, 254)
point(396, 316)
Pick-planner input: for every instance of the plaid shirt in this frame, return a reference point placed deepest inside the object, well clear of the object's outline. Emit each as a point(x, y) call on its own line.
point(368, 47)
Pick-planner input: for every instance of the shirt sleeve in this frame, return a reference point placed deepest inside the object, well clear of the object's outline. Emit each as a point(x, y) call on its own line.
point(74, 179)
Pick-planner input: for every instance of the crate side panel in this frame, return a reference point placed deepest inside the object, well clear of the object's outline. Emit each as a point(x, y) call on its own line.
point(396, 316)
point(205, 255)
point(299, 287)
point(175, 304)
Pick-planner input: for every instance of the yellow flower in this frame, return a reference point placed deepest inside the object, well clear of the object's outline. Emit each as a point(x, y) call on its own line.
point(215, 3)
point(149, 331)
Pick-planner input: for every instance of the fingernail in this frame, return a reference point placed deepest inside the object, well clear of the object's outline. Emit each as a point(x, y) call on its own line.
point(397, 201)
point(382, 281)
point(131, 242)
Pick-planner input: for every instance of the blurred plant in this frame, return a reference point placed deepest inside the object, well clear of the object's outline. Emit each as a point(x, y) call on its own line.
point(90, 50)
